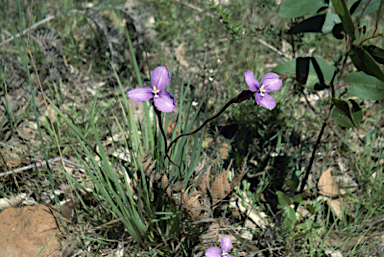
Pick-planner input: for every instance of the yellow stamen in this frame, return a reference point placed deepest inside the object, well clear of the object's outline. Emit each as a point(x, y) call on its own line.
point(155, 91)
point(262, 90)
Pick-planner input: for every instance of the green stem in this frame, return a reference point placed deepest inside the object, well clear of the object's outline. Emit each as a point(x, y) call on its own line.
point(158, 114)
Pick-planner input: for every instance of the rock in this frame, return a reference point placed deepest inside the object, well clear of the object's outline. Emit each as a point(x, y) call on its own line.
point(25, 231)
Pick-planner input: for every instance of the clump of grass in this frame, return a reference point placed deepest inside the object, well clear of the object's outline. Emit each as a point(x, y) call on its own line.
point(116, 200)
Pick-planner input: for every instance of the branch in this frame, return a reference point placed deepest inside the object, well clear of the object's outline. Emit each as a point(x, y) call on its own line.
point(48, 18)
point(311, 161)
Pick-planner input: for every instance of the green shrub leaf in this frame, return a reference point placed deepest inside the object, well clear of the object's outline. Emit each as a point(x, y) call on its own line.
point(345, 115)
point(364, 62)
point(342, 9)
point(313, 24)
point(297, 8)
point(331, 19)
point(372, 6)
point(364, 86)
point(376, 52)
point(289, 69)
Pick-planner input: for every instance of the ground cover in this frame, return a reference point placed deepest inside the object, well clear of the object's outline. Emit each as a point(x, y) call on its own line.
point(302, 178)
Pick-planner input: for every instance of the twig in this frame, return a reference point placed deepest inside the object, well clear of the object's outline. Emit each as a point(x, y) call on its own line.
point(273, 48)
point(39, 164)
point(194, 8)
point(346, 57)
point(308, 170)
point(378, 18)
point(48, 18)
point(306, 99)
point(364, 6)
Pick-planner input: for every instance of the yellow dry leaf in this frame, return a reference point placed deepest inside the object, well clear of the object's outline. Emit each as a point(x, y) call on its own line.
point(335, 205)
point(192, 203)
point(327, 186)
point(203, 182)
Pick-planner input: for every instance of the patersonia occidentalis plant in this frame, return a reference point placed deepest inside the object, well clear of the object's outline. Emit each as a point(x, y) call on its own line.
point(270, 83)
point(164, 101)
point(226, 246)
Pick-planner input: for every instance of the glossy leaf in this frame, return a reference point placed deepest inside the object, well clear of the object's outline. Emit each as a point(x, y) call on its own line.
point(297, 8)
point(289, 69)
point(365, 62)
point(313, 24)
point(354, 6)
point(345, 115)
point(379, 12)
point(376, 52)
point(321, 85)
point(338, 31)
point(342, 10)
point(372, 6)
point(364, 86)
point(302, 69)
point(331, 19)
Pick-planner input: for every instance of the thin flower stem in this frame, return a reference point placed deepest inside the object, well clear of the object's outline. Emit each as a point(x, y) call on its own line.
point(244, 95)
point(158, 114)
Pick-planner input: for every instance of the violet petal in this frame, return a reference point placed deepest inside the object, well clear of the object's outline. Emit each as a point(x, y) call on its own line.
point(160, 78)
point(229, 255)
point(271, 82)
point(251, 81)
point(266, 101)
point(140, 94)
point(213, 252)
point(226, 244)
point(164, 102)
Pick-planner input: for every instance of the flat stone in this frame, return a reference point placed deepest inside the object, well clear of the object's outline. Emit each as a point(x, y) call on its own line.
point(25, 231)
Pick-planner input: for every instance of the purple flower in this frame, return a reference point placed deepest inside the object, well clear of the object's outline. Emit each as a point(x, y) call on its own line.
point(226, 246)
point(270, 83)
point(164, 100)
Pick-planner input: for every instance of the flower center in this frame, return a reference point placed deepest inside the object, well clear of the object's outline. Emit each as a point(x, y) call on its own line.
point(224, 253)
point(262, 90)
point(155, 91)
